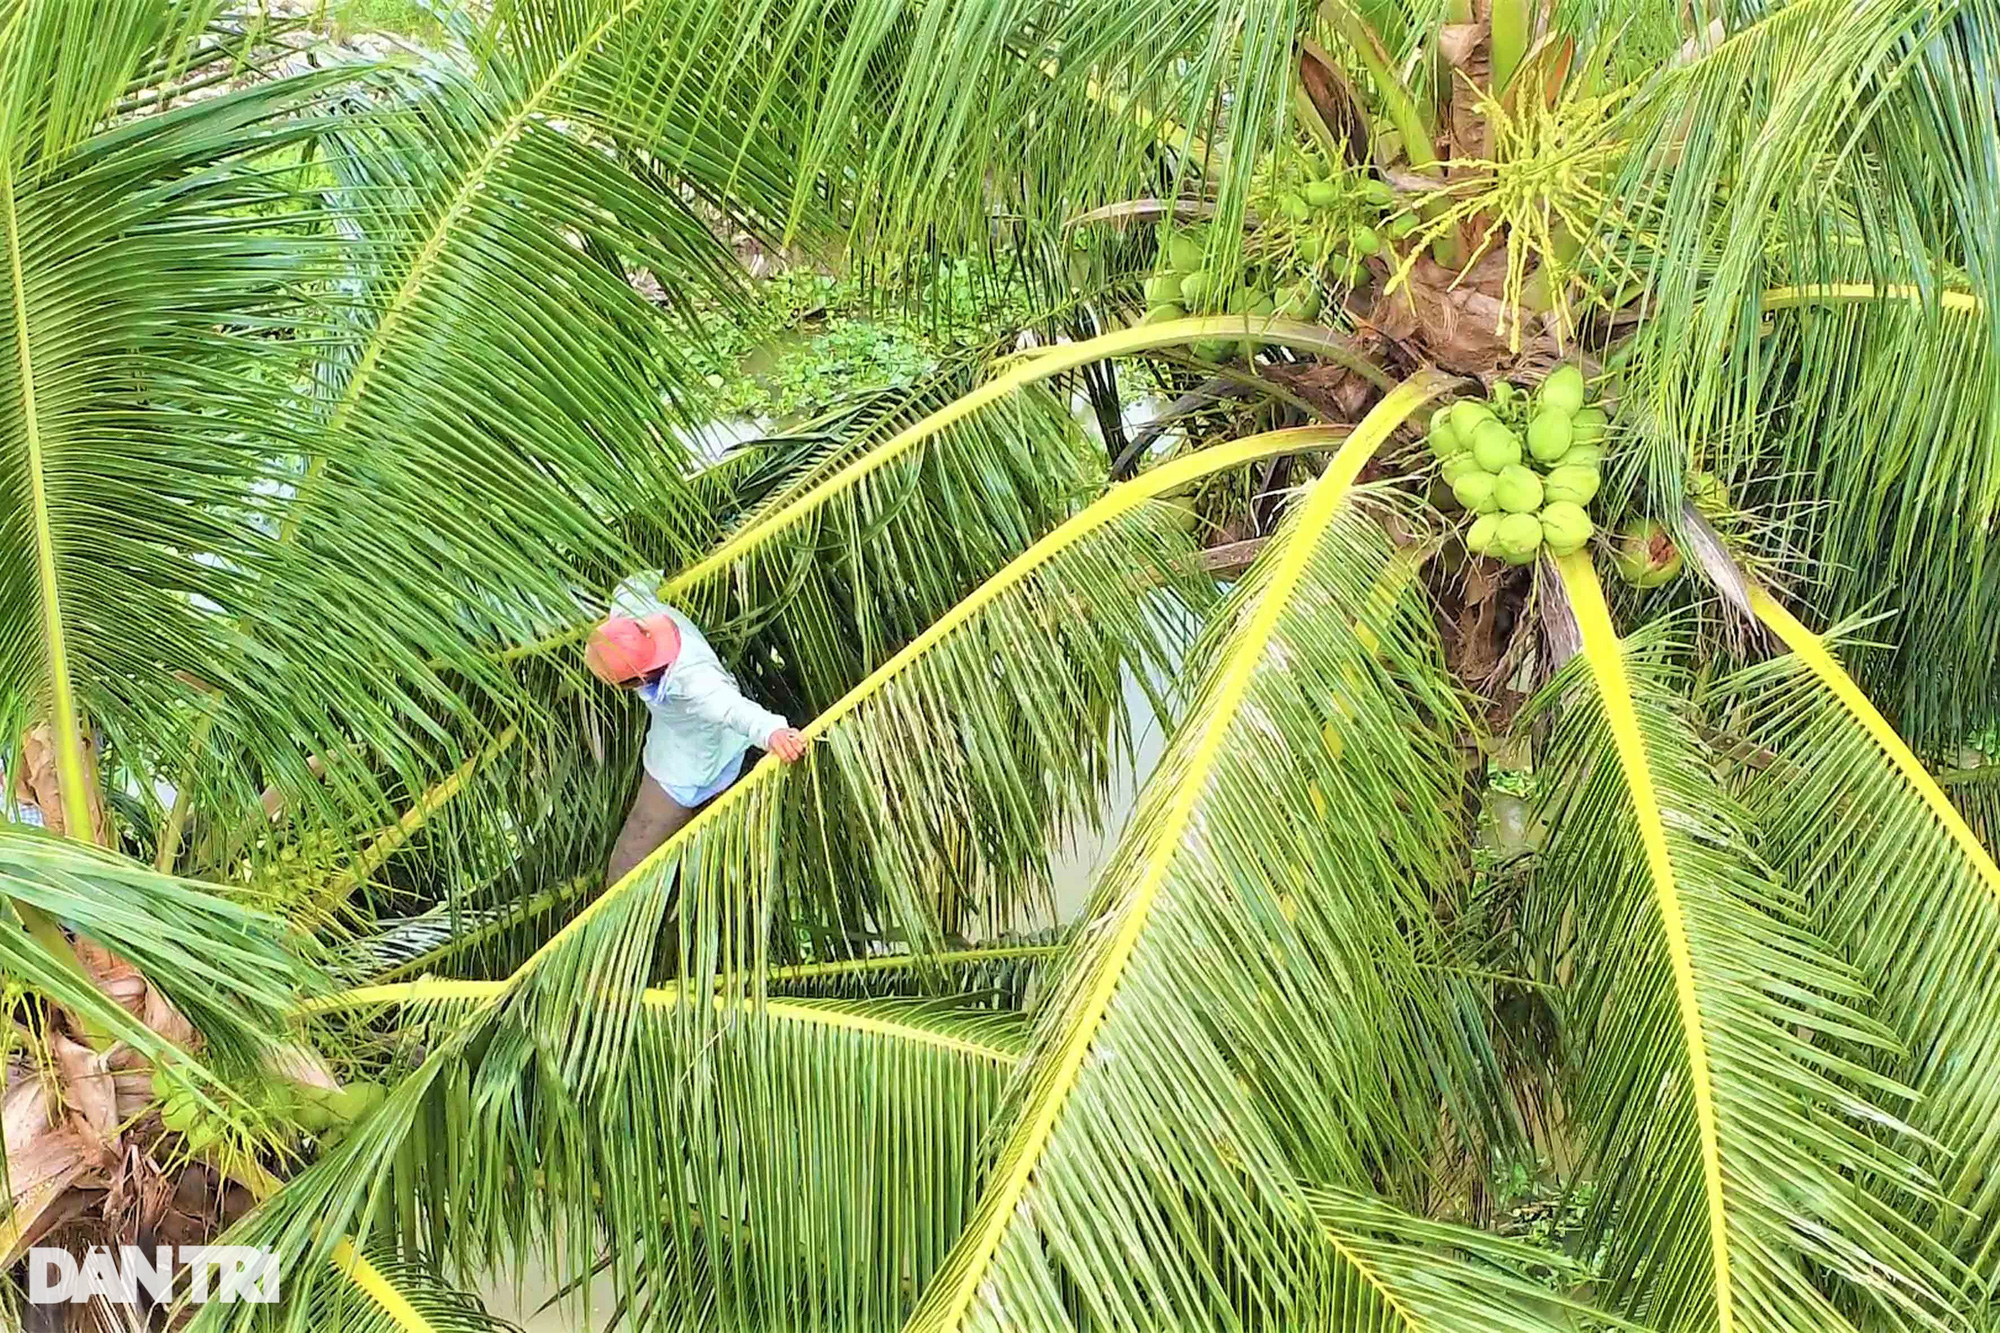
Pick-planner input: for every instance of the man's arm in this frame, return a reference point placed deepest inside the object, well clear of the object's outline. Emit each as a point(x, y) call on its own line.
point(712, 695)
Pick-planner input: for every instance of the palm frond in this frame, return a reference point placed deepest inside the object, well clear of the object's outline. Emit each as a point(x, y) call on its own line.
point(226, 969)
point(1755, 1165)
point(1904, 885)
point(132, 502)
point(385, 1294)
point(967, 111)
point(1194, 1071)
point(1411, 1274)
point(801, 1163)
point(1815, 149)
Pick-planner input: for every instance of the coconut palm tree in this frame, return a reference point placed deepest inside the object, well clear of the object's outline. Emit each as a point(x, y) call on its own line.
point(392, 416)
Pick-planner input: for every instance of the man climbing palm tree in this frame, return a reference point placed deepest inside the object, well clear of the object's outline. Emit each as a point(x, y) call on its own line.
point(701, 723)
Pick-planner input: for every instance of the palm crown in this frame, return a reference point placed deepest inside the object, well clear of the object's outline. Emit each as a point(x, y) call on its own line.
point(331, 406)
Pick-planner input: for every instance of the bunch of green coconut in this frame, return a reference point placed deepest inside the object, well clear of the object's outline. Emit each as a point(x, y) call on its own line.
point(1525, 469)
point(1185, 285)
point(1338, 218)
point(327, 1113)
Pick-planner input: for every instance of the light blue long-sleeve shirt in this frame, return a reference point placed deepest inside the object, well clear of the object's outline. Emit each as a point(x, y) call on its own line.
point(701, 723)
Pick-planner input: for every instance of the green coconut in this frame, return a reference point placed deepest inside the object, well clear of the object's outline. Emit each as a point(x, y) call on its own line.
point(356, 1100)
point(1572, 483)
point(1709, 493)
point(1565, 527)
point(1646, 556)
point(180, 1112)
point(1549, 435)
point(1588, 425)
point(1293, 206)
point(1582, 455)
point(1164, 288)
point(1518, 490)
point(1399, 226)
point(312, 1114)
point(1308, 248)
point(1349, 272)
point(1517, 538)
point(1474, 490)
point(1162, 314)
point(1322, 194)
point(1301, 301)
point(1378, 192)
point(1197, 288)
point(1563, 390)
point(1494, 446)
point(1186, 251)
point(1215, 351)
point(1457, 466)
point(1467, 415)
point(1443, 440)
point(1364, 241)
point(1479, 537)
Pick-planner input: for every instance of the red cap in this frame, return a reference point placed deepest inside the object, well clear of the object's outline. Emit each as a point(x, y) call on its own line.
point(623, 649)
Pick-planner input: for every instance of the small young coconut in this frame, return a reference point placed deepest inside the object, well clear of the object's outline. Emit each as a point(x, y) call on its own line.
point(1518, 538)
point(1215, 351)
point(1363, 241)
point(1573, 483)
point(1645, 556)
point(1293, 207)
point(1479, 537)
point(1186, 250)
point(1399, 226)
point(180, 1112)
point(1300, 301)
point(1518, 490)
point(1322, 194)
point(310, 1110)
point(1185, 515)
point(1474, 490)
point(1308, 248)
point(1494, 445)
point(1443, 440)
point(1709, 493)
point(1588, 425)
point(1563, 390)
point(1565, 527)
point(1380, 193)
point(1457, 466)
point(1549, 435)
point(1164, 288)
point(1350, 272)
point(1197, 288)
point(1162, 314)
point(1467, 416)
